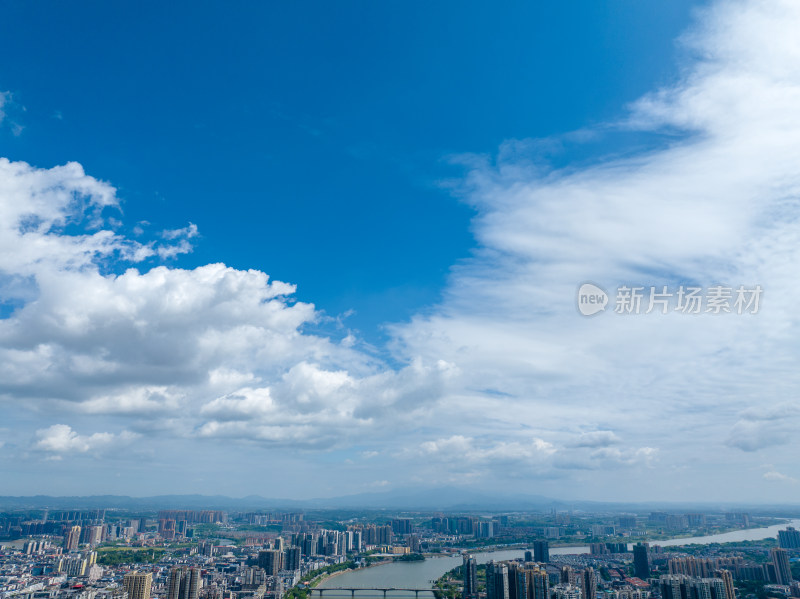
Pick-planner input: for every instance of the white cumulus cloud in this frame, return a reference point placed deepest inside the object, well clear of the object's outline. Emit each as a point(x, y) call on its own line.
point(61, 439)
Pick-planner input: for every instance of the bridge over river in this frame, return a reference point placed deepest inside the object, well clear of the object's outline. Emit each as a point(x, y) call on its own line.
point(369, 592)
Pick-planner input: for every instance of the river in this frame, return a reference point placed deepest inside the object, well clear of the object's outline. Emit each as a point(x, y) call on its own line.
point(421, 574)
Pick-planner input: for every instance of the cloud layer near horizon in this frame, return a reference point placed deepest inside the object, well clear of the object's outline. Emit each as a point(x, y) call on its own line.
point(105, 356)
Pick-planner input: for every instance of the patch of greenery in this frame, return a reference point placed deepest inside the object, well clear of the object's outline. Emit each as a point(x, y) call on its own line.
point(448, 586)
point(312, 576)
point(204, 531)
point(755, 588)
point(296, 593)
point(115, 557)
point(259, 527)
point(410, 557)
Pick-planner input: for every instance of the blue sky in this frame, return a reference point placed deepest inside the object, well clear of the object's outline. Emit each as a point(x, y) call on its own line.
point(339, 244)
point(312, 140)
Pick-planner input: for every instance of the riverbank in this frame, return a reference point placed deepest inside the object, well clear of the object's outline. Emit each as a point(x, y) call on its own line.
point(314, 582)
point(655, 539)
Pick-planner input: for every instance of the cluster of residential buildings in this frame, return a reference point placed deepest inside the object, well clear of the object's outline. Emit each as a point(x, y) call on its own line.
point(60, 561)
point(539, 576)
point(610, 571)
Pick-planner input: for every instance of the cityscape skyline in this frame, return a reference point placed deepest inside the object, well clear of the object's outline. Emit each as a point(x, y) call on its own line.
point(276, 554)
point(309, 254)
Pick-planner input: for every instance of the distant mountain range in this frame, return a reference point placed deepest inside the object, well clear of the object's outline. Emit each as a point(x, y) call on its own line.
point(431, 499)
